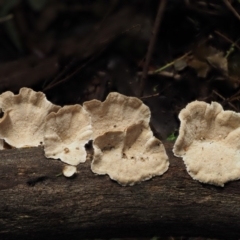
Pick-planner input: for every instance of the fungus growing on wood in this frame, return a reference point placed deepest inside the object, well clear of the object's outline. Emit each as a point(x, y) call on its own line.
point(1, 140)
point(69, 171)
point(66, 133)
point(22, 124)
point(116, 113)
point(129, 156)
point(208, 142)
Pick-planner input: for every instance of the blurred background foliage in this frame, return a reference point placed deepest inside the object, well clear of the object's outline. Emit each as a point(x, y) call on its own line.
point(75, 51)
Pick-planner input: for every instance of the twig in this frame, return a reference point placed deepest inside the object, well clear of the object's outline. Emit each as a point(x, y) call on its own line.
point(132, 27)
point(150, 96)
point(171, 63)
point(52, 85)
point(164, 74)
point(225, 100)
point(231, 8)
point(203, 7)
point(227, 39)
point(66, 68)
point(6, 18)
point(73, 73)
point(161, 9)
point(235, 96)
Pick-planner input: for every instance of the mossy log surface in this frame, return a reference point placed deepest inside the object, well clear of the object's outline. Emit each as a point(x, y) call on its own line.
point(37, 203)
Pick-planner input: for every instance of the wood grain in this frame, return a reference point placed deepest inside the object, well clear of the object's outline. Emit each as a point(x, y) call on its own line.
point(37, 203)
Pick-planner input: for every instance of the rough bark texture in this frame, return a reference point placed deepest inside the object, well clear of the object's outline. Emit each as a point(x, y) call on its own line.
point(36, 203)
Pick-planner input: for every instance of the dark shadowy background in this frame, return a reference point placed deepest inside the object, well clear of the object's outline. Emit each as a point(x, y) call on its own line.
point(76, 51)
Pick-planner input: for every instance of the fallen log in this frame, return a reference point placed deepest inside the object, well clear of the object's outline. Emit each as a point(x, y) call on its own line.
point(38, 203)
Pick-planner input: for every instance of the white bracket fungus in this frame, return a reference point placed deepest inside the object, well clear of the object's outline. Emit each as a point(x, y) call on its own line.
point(208, 142)
point(116, 113)
point(129, 156)
point(124, 145)
point(24, 116)
point(69, 171)
point(66, 133)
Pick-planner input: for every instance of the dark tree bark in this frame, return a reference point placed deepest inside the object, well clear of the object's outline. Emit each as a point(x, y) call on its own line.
point(37, 203)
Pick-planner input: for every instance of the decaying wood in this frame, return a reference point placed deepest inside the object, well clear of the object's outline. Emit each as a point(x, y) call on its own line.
point(37, 203)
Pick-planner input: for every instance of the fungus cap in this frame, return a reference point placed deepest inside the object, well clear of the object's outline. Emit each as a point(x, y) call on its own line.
point(66, 133)
point(69, 171)
point(208, 142)
point(116, 113)
point(24, 116)
point(129, 156)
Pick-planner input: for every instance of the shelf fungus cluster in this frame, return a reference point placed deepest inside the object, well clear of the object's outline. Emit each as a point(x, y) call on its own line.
point(209, 143)
point(123, 143)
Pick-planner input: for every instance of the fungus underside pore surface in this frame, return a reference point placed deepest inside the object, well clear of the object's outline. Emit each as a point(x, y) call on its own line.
point(130, 156)
point(116, 113)
point(208, 142)
point(66, 133)
point(24, 117)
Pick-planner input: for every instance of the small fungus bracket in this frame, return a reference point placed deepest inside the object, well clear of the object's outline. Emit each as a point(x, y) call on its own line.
point(116, 113)
point(24, 117)
point(129, 156)
point(208, 142)
point(66, 133)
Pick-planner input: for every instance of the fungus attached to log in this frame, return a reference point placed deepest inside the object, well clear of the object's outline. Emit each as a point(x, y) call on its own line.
point(24, 117)
point(208, 142)
point(69, 171)
point(116, 113)
point(129, 156)
point(66, 133)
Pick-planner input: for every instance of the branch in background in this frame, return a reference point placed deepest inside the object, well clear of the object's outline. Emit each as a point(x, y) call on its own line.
point(161, 9)
point(7, 18)
point(231, 8)
point(225, 100)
